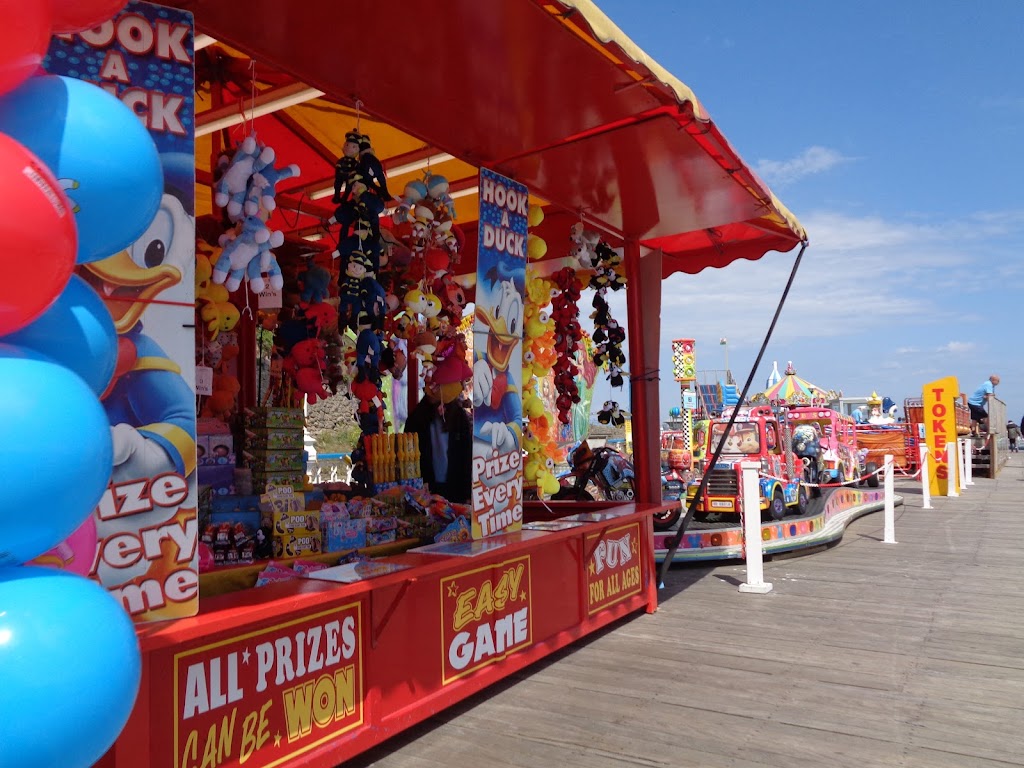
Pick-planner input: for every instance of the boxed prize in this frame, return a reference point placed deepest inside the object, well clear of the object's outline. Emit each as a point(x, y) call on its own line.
point(275, 440)
point(277, 418)
point(290, 522)
point(303, 542)
point(343, 533)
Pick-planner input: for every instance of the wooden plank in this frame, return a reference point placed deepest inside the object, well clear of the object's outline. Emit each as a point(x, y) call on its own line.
point(865, 654)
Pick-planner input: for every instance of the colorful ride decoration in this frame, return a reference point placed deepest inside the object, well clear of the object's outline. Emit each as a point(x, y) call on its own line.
point(793, 390)
point(58, 630)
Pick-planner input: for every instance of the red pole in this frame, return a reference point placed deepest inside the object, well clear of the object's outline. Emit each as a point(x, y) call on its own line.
point(643, 313)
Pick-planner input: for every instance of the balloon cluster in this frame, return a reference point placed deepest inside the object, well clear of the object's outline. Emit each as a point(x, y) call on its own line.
point(538, 359)
point(245, 190)
point(566, 312)
point(60, 632)
point(608, 334)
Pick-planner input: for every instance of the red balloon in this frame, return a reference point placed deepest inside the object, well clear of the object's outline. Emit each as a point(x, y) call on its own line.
point(38, 240)
point(24, 38)
point(78, 15)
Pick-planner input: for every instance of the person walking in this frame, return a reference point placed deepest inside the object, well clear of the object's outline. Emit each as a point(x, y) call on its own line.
point(1013, 435)
point(978, 402)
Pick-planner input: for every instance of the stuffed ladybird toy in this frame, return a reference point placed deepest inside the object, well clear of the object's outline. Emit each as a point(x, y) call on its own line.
point(321, 316)
point(309, 381)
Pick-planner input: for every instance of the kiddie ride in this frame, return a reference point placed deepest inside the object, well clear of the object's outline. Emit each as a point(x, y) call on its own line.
point(826, 441)
point(604, 473)
point(757, 436)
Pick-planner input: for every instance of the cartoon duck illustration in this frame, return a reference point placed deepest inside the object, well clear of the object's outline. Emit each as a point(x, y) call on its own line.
point(495, 391)
point(150, 405)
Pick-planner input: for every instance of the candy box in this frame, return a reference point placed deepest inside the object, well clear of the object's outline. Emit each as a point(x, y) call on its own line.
point(290, 522)
point(342, 534)
point(293, 545)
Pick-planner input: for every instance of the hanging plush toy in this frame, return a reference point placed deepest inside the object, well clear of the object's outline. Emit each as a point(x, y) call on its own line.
point(233, 185)
point(239, 248)
point(315, 282)
point(268, 177)
point(346, 169)
point(612, 414)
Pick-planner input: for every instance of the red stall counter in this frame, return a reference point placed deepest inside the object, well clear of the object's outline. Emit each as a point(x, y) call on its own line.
point(312, 672)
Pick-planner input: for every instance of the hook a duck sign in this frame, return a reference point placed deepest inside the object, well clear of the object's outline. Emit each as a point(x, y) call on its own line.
point(498, 356)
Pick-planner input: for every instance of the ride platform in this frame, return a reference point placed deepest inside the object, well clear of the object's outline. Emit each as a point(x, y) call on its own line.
point(823, 524)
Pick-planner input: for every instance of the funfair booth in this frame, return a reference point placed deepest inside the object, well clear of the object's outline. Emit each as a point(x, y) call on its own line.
point(548, 99)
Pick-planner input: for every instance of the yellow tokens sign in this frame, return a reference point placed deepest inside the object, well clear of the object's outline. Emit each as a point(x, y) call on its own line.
point(940, 429)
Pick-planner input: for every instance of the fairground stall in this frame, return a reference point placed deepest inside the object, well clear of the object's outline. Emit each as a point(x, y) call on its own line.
point(358, 177)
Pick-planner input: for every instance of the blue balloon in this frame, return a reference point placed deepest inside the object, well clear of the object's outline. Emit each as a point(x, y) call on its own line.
point(76, 331)
point(70, 665)
point(98, 149)
point(56, 453)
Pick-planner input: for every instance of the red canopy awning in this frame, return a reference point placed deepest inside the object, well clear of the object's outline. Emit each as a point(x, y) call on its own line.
point(548, 92)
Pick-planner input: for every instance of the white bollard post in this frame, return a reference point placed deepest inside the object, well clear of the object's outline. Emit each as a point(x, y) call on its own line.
point(961, 459)
point(969, 461)
point(926, 487)
point(752, 530)
point(889, 531)
point(953, 465)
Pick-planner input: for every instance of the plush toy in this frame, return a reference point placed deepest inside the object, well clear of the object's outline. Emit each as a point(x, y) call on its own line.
point(233, 186)
point(416, 301)
point(437, 190)
point(346, 169)
point(315, 281)
point(370, 412)
point(321, 316)
point(351, 288)
point(372, 171)
point(415, 191)
point(219, 317)
point(268, 177)
point(373, 304)
point(266, 261)
point(612, 414)
point(310, 382)
point(424, 342)
point(240, 247)
point(222, 401)
point(368, 347)
point(452, 297)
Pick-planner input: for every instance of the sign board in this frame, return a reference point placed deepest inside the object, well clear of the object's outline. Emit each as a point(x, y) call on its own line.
point(939, 429)
point(498, 356)
point(145, 56)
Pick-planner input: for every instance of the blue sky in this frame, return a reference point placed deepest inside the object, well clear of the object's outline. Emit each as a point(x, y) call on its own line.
point(895, 132)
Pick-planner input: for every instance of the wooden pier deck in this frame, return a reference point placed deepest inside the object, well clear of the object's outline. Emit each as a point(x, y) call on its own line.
point(866, 654)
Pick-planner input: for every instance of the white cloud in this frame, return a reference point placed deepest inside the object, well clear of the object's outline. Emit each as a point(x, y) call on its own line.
point(957, 347)
point(809, 162)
